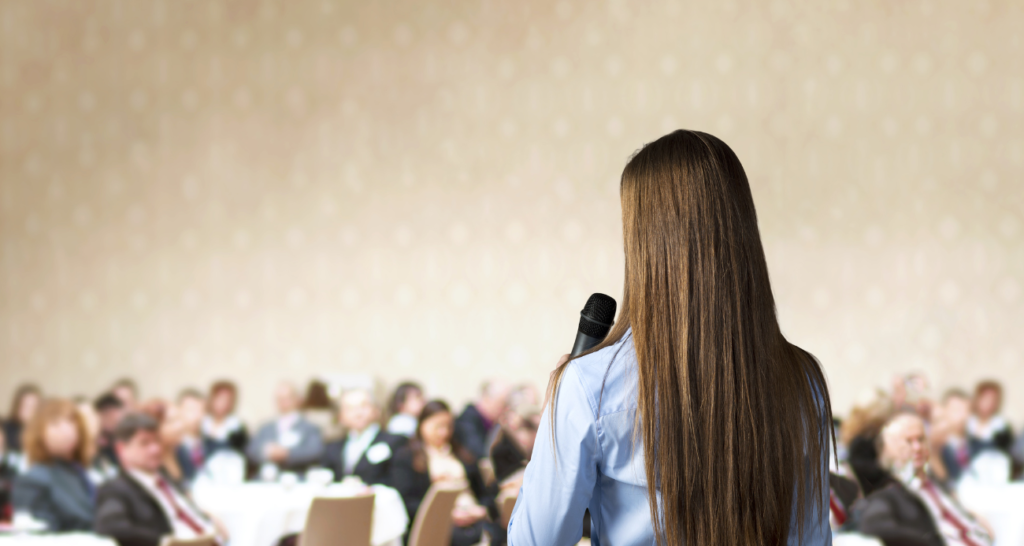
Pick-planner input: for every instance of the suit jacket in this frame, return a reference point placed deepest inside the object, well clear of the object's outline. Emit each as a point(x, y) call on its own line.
point(301, 456)
point(412, 485)
point(127, 513)
point(472, 432)
point(371, 472)
point(898, 518)
point(57, 493)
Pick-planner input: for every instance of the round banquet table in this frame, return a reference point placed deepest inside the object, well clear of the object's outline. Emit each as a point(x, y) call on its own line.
point(1001, 505)
point(55, 539)
point(259, 514)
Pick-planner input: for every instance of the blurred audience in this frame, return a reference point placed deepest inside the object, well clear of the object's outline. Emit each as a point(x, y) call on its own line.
point(141, 506)
point(405, 407)
point(477, 426)
point(289, 442)
point(56, 489)
point(365, 450)
point(433, 455)
point(24, 405)
point(8, 472)
point(221, 428)
point(912, 508)
point(127, 391)
point(859, 433)
point(319, 409)
point(949, 436)
point(109, 410)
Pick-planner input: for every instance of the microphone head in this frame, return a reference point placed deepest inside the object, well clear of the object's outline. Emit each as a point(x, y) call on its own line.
point(597, 315)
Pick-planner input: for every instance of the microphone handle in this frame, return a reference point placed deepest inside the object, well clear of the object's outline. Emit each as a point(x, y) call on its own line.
point(583, 344)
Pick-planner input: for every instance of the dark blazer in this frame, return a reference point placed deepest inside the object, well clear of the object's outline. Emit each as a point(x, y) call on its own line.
point(370, 472)
point(507, 456)
point(58, 493)
point(127, 513)
point(863, 459)
point(12, 435)
point(472, 432)
point(308, 452)
point(412, 484)
point(898, 518)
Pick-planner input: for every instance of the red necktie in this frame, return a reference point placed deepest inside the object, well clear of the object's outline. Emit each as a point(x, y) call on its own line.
point(837, 508)
point(946, 514)
point(179, 512)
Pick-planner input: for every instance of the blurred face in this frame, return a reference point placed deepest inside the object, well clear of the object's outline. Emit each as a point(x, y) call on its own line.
point(905, 442)
point(955, 412)
point(172, 428)
point(357, 411)
point(436, 430)
point(495, 401)
point(126, 395)
point(220, 404)
point(61, 438)
point(109, 418)
point(287, 398)
point(191, 410)
point(988, 401)
point(27, 407)
point(143, 452)
point(414, 403)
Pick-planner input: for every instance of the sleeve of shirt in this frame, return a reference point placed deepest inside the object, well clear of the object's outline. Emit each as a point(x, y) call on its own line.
point(560, 478)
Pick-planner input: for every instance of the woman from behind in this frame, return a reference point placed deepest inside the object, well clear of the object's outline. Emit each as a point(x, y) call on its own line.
point(56, 489)
point(433, 456)
point(695, 421)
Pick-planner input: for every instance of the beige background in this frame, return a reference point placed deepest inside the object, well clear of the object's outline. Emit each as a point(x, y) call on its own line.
point(428, 189)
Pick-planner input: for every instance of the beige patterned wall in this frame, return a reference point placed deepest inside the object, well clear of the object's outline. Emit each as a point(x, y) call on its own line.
point(196, 189)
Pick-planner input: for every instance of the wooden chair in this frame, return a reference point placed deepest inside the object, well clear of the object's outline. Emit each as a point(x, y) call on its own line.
point(345, 521)
point(433, 523)
point(507, 505)
point(201, 541)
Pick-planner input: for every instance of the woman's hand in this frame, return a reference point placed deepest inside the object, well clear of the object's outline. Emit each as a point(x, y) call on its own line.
point(464, 517)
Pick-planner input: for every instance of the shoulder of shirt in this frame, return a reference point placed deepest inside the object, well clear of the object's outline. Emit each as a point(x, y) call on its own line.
point(601, 376)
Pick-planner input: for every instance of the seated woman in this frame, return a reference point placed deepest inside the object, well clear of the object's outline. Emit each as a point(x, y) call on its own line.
point(221, 428)
point(432, 457)
point(56, 488)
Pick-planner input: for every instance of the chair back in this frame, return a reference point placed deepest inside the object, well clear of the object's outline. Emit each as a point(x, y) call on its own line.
point(201, 541)
point(343, 521)
point(507, 506)
point(433, 523)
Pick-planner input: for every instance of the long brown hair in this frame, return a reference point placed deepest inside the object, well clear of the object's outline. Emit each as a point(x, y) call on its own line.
point(417, 447)
point(734, 420)
point(34, 436)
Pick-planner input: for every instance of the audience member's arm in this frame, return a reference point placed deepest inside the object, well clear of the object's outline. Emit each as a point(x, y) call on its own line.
point(557, 489)
point(309, 450)
point(878, 520)
point(112, 520)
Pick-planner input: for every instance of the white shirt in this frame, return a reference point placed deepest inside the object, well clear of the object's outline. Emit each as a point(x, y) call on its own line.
point(403, 424)
point(220, 431)
point(940, 505)
point(356, 444)
point(286, 437)
point(178, 526)
point(987, 431)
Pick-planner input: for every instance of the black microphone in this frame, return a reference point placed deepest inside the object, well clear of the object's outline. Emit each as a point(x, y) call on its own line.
point(596, 319)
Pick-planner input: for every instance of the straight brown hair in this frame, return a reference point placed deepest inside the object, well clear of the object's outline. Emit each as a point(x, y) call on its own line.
point(735, 421)
point(34, 436)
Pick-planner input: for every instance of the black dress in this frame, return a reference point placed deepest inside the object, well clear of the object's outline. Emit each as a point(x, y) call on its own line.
point(412, 485)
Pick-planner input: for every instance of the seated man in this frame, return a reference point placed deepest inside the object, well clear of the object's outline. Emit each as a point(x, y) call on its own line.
point(912, 509)
point(290, 442)
point(366, 450)
point(477, 427)
point(140, 507)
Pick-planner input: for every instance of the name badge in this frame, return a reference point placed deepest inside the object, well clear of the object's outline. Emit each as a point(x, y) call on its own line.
point(378, 453)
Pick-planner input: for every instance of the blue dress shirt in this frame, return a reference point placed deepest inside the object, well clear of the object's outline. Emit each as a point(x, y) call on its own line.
point(597, 465)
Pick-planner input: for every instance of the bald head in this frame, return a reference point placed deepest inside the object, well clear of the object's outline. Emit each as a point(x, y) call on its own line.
point(287, 397)
point(903, 440)
point(493, 398)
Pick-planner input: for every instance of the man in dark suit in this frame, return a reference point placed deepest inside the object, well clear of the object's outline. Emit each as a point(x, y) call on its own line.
point(140, 506)
point(366, 450)
point(913, 510)
point(477, 426)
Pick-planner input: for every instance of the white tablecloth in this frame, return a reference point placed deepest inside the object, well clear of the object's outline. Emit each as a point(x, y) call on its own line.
point(258, 514)
point(1001, 505)
point(63, 539)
